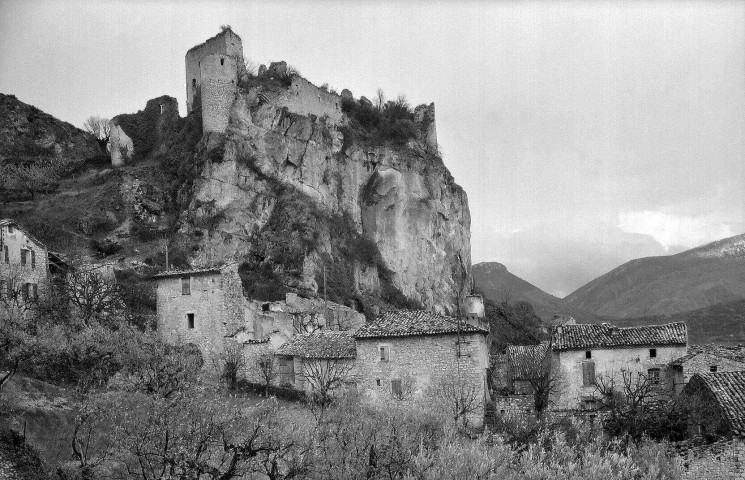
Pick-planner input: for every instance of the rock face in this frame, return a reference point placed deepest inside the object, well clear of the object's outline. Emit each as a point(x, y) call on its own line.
point(26, 131)
point(401, 200)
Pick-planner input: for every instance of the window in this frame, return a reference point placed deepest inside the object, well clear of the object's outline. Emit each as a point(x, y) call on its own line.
point(186, 286)
point(33, 259)
point(713, 368)
point(25, 290)
point(385, 351)
point(588, 354)
point(396, 389)
point(193, 83)
point(654, 376)
point(377, 381)
point(189, 320)
point(23, 256)
point(10, 229)
point(7, 257)
point(161, 108)
point(588, 374)
point(222, 61)
point(652, 353)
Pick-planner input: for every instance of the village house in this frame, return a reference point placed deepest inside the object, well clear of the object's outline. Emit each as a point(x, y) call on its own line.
point(408, 354)
point(584, 352)
point(207, 307)
point(716, 410)
point(321, 361)
point(706, 359)
point(24, 269)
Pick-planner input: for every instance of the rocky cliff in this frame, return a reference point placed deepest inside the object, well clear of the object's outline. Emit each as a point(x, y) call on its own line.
point(295, 195)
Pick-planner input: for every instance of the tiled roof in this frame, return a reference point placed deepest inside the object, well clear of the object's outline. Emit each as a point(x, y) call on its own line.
point(182, 273)
point(524, 358)
point(579, 337)
point(320, 344)
point(729, 390)
point(731, 353)
point(406, 323)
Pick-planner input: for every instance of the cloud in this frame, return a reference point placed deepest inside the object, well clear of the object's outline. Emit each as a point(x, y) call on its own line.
point(675, 230)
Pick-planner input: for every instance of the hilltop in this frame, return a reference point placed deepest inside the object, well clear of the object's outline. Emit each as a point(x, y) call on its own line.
point(666, 285)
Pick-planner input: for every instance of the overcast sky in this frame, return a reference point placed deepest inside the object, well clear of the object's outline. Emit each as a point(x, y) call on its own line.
point(586, 134)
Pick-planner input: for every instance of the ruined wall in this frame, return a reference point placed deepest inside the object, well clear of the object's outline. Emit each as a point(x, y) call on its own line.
point(611, 361)
point(720, 461)
point(426, 361)
point(304, 98)
point(122, 147)
point(514, 406)
point(424, 119)
point(219, 76)
point(225, 43)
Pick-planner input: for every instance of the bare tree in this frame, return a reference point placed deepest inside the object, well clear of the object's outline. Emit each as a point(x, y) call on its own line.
point(100, 128)
point(232, 363)
point(266, 365)
point(305, 322)
point(460, 399)
point(543, 375)
point(380, 99)
point(324, 376)
point(94, 295)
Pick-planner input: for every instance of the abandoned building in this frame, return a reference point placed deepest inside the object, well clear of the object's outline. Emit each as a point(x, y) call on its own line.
point(207, 307)
point(706, 359)
point(717, 411)
point(414, 353)
point(24, 269)
point(584, 352)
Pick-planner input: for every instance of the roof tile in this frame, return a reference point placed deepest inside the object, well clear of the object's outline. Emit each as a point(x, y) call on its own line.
point(320, 344)
point(729, 390)
point(406, 323)
point(579, 337)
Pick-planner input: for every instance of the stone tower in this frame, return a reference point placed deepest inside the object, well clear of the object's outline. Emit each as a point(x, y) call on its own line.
point(226, 43)
point(219, 74)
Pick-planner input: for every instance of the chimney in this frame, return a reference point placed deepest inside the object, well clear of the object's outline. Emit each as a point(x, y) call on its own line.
point(473, 310)
point(559, 329)
point(375, 311)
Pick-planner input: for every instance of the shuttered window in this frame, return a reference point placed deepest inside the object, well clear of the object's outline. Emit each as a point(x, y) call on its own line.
point(33, 259)
point(396, 389)
point(384, 353)
point(186, 286)
point(588, 374)
point(23, 256)
point(7, 256)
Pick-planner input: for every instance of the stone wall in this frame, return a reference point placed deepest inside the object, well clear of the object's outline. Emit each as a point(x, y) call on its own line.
point(514, 405)
point(719, 461)
point(304, 98)
point(219, 77)
point(423, 364)
point(225, 43)
point(424, 119)
point(609, 362)
point(122, 147)
point(702, 363)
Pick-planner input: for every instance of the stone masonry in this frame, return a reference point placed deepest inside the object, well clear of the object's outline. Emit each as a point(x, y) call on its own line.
point(226, 43)
point(720, 461)
point(24, 267)
point(219, 74)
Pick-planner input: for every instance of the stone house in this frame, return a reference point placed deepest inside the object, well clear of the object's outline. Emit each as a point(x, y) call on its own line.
point(207, 307)
point(408, 354)
point(24, 269)
point(323, 359)
point(706, 359)
point(716, 404)
point(584, 352)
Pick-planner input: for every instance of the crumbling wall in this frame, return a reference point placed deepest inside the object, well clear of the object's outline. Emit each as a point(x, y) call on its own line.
point(424, 119)
point(304, 98)
point(719, 461)
point(121, 145)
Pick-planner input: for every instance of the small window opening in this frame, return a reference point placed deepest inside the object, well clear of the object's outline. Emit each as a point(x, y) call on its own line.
point(713, 368)
point(222, 61)
point(501, 412)
point(396, 389)
point(652, 353)
point(10, 228)
point(33, 259)
point(186, 286)
point(377, 381)
point(190, 320)
point(384, 353)
point(161, 108)
point(194, 83)
point(588, 354)
point(265, 307)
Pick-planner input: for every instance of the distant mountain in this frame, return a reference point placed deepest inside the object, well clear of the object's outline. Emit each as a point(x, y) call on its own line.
point(701, 277)
point(722, 324)
point(499, 285)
